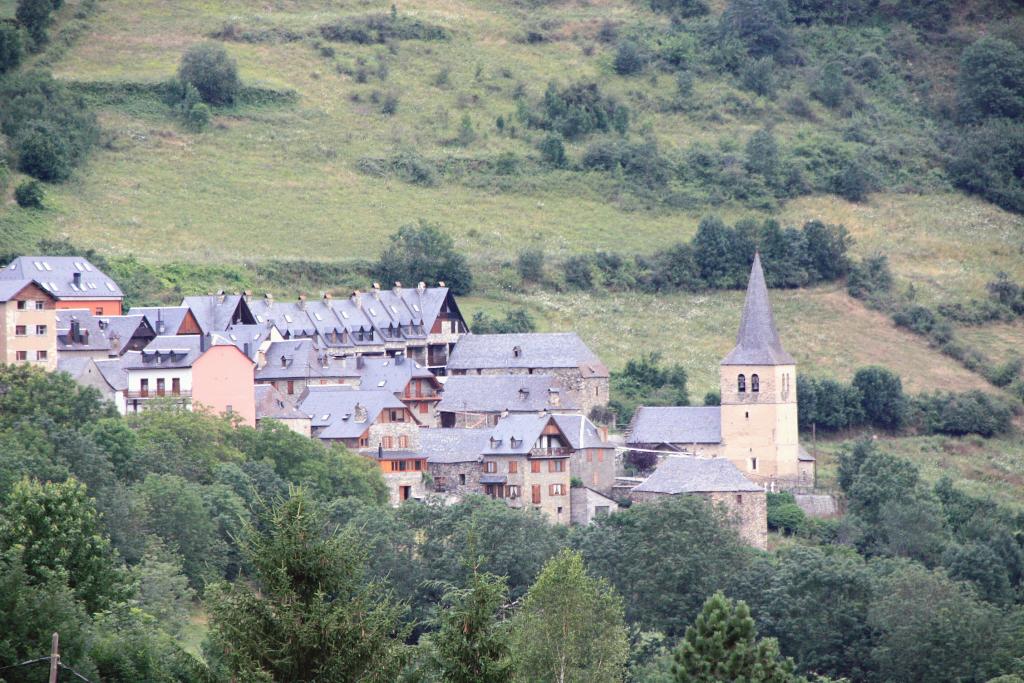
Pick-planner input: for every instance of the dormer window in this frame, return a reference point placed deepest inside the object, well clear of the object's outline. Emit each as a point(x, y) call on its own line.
point(755, 383)
point(741, 384)
point(517, 351)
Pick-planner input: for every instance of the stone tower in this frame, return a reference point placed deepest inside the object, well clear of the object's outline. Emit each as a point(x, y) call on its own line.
point(758, 386)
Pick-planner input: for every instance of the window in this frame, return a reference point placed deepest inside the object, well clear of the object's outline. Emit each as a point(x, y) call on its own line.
point(590, 455)
point(490, 466)
point(755, 383)
point(160, 386)
point(513, 491)
point(403, 442)
point(462, 480)
point(363, 442)
point(600, 456)
point(741, 384)
point(556, 466)
point(747, 414)
point(419, 388)
point(536, 494)
point(419, 465)
point(753, 464)
point(397, 415)
point(99, 310)
point(556, 489)
point(176, 386)
point(21, 355)
point(40, 305)
point(387, 442)
point(601, 510)
point(22, 305)
point(40, 330)
point(144, 387)
point(20, 331)
point(739, 499)
point(291, 386)
point(423, 408)
point(513, 467)
point(229, 409)
point(535, 466)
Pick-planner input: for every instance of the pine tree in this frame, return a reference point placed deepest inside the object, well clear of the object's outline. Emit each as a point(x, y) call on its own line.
point(722, 645)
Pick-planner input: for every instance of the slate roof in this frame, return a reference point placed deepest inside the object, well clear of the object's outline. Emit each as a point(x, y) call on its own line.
point(124, 327)
point(10, 288)
point(302, 360)
point(496, 393)
point(685, 474)
point(216, 313)
point(73, 365)
point(271, 403)
point(393, 374)
point(114, 373)
point(536, 350)
point(171, 316)
point(803, 455)
point(517, 433)
point(447, 446)
point(591, 436)
point(57, 274)
point(334, 409)
point(170, 351)
point(675, 424)
point(242, 335)
point(94, 338)
point(758, 341)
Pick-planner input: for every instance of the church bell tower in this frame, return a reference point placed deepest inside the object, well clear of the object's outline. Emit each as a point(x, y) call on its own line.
point(758, 388)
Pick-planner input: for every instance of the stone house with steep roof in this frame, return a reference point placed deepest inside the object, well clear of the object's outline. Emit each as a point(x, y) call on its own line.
point(474, 401)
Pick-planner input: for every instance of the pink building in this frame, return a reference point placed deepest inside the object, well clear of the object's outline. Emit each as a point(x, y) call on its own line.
point(223, 381)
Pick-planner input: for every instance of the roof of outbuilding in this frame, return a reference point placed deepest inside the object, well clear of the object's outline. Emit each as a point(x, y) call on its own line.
point(686, 474)
point(496, 393)
point(528, 350)
point(757, 342)
point(591, 436)
point(675, 424)
point(446, 446)
point(271, 403)
point(57, 275)
point(335, 408)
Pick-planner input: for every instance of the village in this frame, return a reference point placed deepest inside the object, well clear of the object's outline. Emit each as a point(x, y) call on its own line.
point(395, 374)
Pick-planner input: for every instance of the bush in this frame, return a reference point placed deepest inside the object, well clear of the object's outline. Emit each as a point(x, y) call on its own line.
point(681, 8)
point(29, 194)
point(578, 110)
point(530, 265)
point(881, 396)
point(466, 132)
point(640, 161)
point(381, 28)
point(552, 150)
point(991, 81)
point(830, 87)
point(198, 116)
point(758, 76)
point(11, 48)
point(870, 279)
point(853, 182)
point(516, 321)
point(34, 15)
point(630, 58)
point(578, 272)
point(987, 161)
point(972, 412)
point(44, 153)
point(389, 105)
point(423, 252)
point(209, 69)
point(762, 26)
point(784, 514)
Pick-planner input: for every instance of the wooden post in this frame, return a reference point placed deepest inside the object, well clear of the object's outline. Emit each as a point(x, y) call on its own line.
point(54, 657)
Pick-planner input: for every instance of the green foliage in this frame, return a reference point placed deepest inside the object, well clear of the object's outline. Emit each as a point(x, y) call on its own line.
point(991, 81)
point(310, 614)
point(870, 279)
point(722, 645)
point(640, 162)
point(681, 8)
point(645, 381)
point(29, 194)
point(882, 396)
point(986, 161)
point(381, 28)
point(57, 530)
point(162, 588)
point(552, 150)
point(784, 514)
point(578, 110)
point(578, 272)
point(972, 412)
point(423, 252)
point(516, 321)
point(630, 58)
point(52, 130)
point(664, 584)
point(831, 87)
point(569, 627)
point(11, 48)
point(530, 264)
point(467, 134)
point(34, 16)
point(208, 68)
point(763, 28)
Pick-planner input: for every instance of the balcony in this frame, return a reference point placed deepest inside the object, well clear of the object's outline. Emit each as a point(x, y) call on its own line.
point(560, 452)
point(158, 394)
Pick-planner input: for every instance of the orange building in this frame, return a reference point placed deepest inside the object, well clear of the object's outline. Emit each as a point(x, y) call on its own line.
point(223, 381)
point(73, 281)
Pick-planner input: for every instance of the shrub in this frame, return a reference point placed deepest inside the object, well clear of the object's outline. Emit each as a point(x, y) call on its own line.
point(11, 48)
point(972, 412)
point(630, 58)
point(681, 8)
point(1006, 293)
point(881, 396)
point(784, 514)
point(684, 84)
point(853, 182)
point(830, 87)
point(578, 110)
point(44, 153)
point(423, 252)
point(198, 116)
point(991, 81)
point(758, 76)
point(29, 194)
point(34, 15)
point(578, 272)
point(552, 150)
point(466, 132)
point(212, 72)
point(381, 28)
point(389, 105)
point(870, 279)
point(639, 161)
point(762, 26)
point(530, 265)
point(987, 161)
point(515, 322)
point(1004, 374)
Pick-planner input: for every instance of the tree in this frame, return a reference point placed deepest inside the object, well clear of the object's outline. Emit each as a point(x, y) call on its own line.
point(830, 87)
point(57, 529)
point(853, 181)
point(34, 15)
point(630, 58)
point(871, 279)
point(11, 48)
point(578, 272)
point(762, 26)
point(722, 255)
point(763, 154)
point(209, 69)
point(991, 81)
point(988, 160)
point(881, 396)
point(423, 252)
point(722, 645)
point(44, 153)
point(646, 381)
point(162, 588)
point(29, 194)
point(471, 645)
point(570, 626)
point(530, 264)
point(309, 614)
point(552, 150)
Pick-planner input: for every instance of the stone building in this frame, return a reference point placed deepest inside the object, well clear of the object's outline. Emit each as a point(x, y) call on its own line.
point(680, 429)
point(80, 333)
point(363, 420)
point(588, 504)
point(271, 404)
point(720, 483)
point(453, 459)
point(473, 401)
point(581, 374)
point(404, 473)
point(592, 458)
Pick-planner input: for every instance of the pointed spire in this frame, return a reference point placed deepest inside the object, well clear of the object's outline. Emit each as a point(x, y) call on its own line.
point(758, 341)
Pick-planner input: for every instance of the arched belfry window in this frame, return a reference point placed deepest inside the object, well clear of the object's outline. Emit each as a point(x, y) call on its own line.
point(755, 383)
point(741, 383)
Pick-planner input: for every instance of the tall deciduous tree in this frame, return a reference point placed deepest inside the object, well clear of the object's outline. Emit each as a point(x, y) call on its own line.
point(309, 615)
point(722, 645)
point(424, 252)
point(570, 627)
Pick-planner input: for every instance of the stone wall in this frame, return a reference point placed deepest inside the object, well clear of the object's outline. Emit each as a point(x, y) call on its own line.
point(452, 475)
point(748, 511)
point(587, 505)
point(395, 430)
point(395, 480)
point(585, 392)
point(595, 467)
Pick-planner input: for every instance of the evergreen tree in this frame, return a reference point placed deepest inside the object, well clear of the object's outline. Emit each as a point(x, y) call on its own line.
point(722, 645)
point(570, 627)
point(309, 614)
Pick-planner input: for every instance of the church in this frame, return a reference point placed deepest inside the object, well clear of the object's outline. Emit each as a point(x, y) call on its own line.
point(755, 427)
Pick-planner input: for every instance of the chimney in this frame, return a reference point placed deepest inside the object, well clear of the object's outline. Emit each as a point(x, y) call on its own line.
point(247, 349)
point(603, 431)
point(284, 361)
point(398, 287)
point(517, 351)
point(76, 279)
point(357, 300)
point(554, 397)
point(268, 299)
point(376, 290)
point(360, 362)
point(248, 295)
point(399, 358)
point(73, 336)
point(84, 336)
point(524, 393)
point(204, 342)
point(327, 296)
point(360, 413)
point(380, 450)
point(440, 283)
point(302, 301)
point(220, 296)
point(421, 287)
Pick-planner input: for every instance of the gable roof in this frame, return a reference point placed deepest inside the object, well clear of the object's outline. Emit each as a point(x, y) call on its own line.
point(336, 409)
point(757, 342)
point(392, 374)
point(114, 373)
point(675, 424)
point(111, 333)
point(271, 403)
point(590, 434)
point(497, 393)
point(527, 350)
point(171, 351)
point(172, 317)
point(300, 359)
point(516, 434)
point(11, 288)
point(447, 446)
point(57, 275)
point(218, 312)
point(686, 474)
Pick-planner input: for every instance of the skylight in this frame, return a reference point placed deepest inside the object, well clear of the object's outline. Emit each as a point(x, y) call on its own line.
point(111, 287)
